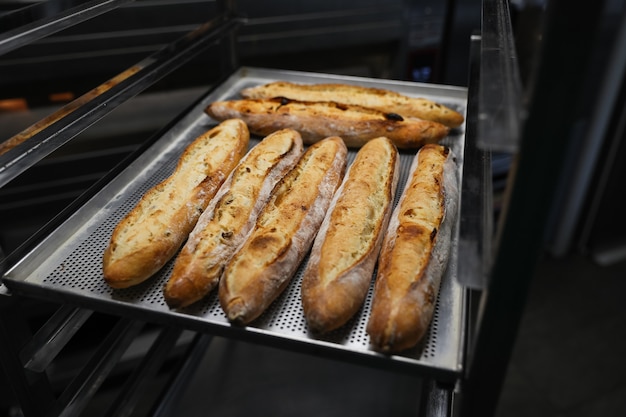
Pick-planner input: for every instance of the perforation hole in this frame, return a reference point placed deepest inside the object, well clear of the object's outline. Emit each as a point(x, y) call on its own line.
point(285, 314)
point(82, 269)
point(430, 339)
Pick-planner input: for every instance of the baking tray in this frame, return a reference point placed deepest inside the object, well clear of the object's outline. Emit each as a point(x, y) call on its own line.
point(66, 266)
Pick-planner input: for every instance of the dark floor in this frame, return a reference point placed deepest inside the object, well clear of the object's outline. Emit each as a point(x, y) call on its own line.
point(569, 357)
point(568, 362)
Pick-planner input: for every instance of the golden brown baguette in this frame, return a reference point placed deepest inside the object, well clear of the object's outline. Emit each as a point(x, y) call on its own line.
point(380, 99)
point(415, 252)
point(155, 229)
point(356, 125)
point(283, 234)
point(229, 217)
point(340, 268)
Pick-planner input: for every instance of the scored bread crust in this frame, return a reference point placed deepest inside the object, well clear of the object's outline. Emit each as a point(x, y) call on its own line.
point(356, 125)
point(415, 252)
point(375, 98)
point(229, 217)
point(340, 268)
point(283, 234)
point(151, 233)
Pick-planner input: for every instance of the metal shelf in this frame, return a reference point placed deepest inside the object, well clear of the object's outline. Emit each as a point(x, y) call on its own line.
point(64, 267)
point(67, 265)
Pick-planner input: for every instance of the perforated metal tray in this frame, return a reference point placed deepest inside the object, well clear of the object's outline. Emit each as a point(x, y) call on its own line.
point(66, 266)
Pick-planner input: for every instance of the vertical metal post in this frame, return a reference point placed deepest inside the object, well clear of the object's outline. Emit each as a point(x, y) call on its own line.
point(564, 60)
point(446, 40)
point(436, 399)
point(228, 44)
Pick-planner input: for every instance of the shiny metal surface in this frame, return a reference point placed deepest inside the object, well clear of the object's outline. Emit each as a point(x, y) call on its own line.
point(67, 265)
point(476, 227)
point(501, 112)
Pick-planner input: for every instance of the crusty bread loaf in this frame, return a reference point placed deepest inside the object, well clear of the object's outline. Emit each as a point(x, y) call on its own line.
point(356, 125)
point(155, 229)
point(380, 99)
point(415, 252)
point(340, 268)
point(283, 233)
point(229, 217)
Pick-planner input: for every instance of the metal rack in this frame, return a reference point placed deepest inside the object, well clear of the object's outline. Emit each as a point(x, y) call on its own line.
point(26, 356)
point(67, 262)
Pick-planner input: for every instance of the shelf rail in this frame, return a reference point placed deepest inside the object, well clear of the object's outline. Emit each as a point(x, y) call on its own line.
point(37, 21)
point(28, 147)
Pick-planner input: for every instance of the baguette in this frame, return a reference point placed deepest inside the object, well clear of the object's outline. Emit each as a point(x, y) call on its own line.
point(283, 234)
point(340, 268)
point(229, 217)
point(356, 125)
point(415, 252)
point(151, 234)
point(375, 98)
